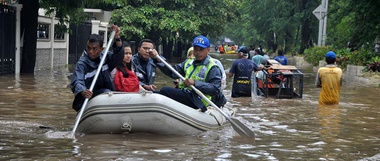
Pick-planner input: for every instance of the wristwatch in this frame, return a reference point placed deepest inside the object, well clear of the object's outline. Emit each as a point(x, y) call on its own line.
point(119, 39)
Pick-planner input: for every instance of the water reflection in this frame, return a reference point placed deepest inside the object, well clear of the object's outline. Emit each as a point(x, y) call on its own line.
point(329, 119)
point(286, 129)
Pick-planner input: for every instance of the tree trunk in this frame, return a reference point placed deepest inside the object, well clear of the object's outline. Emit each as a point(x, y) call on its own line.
point(167, 48)
point(305, 28)
point(29, 22)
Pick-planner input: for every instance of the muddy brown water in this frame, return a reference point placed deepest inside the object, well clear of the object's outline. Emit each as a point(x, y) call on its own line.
point(286, 129)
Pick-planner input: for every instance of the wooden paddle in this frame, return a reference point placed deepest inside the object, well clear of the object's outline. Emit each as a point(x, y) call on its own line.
point(94, 80)
point(239, 127)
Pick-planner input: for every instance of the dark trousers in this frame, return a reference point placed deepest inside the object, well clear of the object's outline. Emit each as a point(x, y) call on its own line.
point(79, 99)
point(237, 94)
point(179, 96)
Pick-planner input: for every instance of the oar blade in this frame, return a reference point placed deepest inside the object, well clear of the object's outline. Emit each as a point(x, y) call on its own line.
point(240, 128)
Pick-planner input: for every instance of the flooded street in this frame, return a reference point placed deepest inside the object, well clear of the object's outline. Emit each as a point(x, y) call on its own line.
point(36, 116)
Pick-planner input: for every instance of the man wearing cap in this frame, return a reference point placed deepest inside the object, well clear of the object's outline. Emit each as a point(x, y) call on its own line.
point(329, 78)
point(241, 70)
point(201, 72)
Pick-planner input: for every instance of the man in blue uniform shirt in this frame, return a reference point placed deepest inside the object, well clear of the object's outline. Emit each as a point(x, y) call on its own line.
point(201, 72)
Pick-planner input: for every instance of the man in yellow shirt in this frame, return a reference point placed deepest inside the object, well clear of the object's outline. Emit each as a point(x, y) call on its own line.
point(329, 78)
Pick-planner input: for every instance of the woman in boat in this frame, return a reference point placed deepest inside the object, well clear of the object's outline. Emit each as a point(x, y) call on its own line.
point(125, 79)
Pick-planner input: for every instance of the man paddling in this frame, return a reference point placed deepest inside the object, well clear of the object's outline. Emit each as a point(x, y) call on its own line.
point(201, 72)
point(87, 65)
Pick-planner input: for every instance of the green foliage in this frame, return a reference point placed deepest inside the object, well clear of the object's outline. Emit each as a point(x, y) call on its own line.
point(314, 54)
point(353, 21)
point(361, 57)
point(273, 23)
point(71, 11)
point(161, 20)
point(356, 22)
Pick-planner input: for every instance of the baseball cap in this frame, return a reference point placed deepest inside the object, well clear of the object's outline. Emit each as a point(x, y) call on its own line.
point(244, 50)
point(201, 41)
point(330, 54)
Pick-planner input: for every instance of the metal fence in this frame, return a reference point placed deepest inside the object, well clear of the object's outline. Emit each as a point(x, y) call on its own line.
point(7, 39)
point(78, 38)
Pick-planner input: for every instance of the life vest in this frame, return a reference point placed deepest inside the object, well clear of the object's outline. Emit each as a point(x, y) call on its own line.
point(198, 73)
point(221, 49)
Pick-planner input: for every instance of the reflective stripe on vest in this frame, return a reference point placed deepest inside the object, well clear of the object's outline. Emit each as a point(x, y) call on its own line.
point(199, 73)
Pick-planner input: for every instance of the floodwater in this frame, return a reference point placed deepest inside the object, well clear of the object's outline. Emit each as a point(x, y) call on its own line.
point(36, 119)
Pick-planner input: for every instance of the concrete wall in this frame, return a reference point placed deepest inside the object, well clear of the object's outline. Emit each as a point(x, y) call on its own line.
point(355, 75)
point(53, 53)
point(43, 59)
point(299, 62)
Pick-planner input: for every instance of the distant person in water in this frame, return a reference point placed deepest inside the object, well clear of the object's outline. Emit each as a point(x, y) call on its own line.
point(281, 58)
point(329, 78)
point(241, 70)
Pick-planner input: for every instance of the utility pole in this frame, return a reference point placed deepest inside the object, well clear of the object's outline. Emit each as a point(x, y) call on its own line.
point(321, 13)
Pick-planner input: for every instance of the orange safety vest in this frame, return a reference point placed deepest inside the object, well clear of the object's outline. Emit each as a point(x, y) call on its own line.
point(221, 49)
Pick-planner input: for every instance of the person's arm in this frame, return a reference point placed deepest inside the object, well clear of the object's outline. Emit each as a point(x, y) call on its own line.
point(178, 67)
point(118, 81)
point(153, 54)
point(78, 84)
point(255, 67)
point(118, 50)
point(318, 82)
point(285, 61)
point(118, 41)
point(230, 75)
point(212, 84)
point(276, 58)
point(232, 70)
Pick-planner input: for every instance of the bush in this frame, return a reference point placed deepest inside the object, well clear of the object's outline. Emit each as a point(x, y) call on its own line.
point(374, 66)
point(315, 54)
point(361, 57)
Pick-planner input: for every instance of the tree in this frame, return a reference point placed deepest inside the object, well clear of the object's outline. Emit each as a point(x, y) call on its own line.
point(357, 22)
point(29, 22)
point(162, 20)
point(274, 23)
